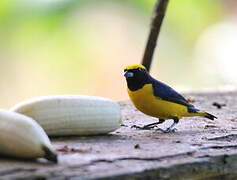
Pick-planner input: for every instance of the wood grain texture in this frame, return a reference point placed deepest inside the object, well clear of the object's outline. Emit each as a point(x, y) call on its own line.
point(201, 149)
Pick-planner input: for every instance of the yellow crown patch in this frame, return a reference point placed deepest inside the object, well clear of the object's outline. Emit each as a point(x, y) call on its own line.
point(134, 66)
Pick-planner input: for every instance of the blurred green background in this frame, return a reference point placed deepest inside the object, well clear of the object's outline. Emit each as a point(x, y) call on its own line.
point(81, 46)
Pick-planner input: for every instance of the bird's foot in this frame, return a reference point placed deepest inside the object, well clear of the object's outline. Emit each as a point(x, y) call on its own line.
point(123, 125)
point(143, 127)
point(168, 130)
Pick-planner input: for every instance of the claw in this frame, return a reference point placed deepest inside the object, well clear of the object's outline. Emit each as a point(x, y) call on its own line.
point(136, 127)
point(162, 130)
point(169, 130)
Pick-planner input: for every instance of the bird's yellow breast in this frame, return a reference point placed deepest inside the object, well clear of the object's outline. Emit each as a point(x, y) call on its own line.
point(146, 102)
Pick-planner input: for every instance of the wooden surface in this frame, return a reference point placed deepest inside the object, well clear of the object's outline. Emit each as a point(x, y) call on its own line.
point(200, 149)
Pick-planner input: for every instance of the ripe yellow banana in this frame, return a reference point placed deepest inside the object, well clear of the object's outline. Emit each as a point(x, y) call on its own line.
point(22, 137)
point(62, 115)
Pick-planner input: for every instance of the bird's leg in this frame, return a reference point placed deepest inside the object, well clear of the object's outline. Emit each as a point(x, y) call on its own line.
point(149, 126)
point(171, 128)
point(152, 125)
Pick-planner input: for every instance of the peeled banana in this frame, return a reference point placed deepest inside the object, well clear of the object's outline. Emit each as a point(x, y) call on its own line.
point(22, 137)
point(62, 115)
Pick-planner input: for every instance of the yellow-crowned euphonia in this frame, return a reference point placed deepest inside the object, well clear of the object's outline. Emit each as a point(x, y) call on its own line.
point(157, 99)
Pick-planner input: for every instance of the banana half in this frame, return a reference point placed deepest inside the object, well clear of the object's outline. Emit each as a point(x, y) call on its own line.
point(22, 137)
point(62, 115)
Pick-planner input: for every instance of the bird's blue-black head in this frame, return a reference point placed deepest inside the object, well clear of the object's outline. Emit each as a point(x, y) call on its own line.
point(136, 76)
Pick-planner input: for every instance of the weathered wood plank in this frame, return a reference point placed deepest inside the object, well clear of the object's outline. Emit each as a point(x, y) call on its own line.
point(200, 149)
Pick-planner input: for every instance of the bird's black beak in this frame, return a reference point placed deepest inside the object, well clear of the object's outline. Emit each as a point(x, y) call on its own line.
point(128, 74)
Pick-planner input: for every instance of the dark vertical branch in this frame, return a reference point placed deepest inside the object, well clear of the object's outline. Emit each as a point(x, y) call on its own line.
point(158, 16)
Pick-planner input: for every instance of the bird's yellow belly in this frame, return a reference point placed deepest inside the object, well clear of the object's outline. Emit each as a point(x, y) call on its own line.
point(146, 102)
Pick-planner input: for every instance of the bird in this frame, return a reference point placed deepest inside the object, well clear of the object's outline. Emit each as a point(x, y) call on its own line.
point(156, 99)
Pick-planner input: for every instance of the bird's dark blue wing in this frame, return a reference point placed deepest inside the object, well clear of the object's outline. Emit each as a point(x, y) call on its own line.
point(166, 93)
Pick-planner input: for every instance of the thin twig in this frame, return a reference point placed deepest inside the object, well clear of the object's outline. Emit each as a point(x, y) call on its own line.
point(158, 16)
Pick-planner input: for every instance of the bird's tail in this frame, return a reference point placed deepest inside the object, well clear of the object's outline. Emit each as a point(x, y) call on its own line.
point(206, 115)
point(196, 112)
point(209, 116)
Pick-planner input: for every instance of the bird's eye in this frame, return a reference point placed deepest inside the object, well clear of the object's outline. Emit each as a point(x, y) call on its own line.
point(139, 69)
